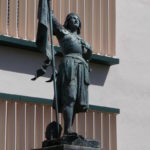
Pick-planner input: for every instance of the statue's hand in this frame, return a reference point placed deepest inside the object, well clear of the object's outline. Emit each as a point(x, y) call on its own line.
point(84, 50)
point(85, 45)
point(87, 50)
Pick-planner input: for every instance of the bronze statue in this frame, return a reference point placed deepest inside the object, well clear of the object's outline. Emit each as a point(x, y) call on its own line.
point(72, 81)
point(73, 73)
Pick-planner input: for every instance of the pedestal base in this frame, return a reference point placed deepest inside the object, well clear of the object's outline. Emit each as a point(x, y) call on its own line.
point(67, 147)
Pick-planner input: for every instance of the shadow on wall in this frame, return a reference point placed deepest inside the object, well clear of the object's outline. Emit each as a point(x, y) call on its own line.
point(21, 61)
point(27, 62)
point(98, 74)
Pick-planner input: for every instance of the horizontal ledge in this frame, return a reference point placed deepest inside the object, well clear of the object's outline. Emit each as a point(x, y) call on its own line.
point(20, 98)
point(30, 45)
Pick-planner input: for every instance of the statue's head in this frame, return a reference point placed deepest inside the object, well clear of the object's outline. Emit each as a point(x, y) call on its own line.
point(73, 22)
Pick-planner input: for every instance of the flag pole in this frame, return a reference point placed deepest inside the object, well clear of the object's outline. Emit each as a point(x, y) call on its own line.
point(53, 67)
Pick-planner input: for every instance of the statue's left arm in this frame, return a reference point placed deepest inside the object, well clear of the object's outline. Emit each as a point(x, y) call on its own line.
point(86, 50)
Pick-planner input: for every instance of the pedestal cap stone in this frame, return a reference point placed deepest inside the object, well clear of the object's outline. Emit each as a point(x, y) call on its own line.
point(67, 147)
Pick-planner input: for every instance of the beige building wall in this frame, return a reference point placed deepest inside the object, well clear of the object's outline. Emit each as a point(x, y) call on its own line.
point(17, 67)
point(127, 85)
point(19, 19)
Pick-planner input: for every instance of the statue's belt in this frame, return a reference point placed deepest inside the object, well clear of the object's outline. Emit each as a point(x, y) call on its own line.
point(77, 57)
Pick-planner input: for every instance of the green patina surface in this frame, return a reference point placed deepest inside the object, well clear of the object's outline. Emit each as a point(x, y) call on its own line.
point(20, 98)
point(30, 45)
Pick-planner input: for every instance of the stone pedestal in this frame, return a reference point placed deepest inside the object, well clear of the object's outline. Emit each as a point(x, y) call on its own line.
point(67, 147)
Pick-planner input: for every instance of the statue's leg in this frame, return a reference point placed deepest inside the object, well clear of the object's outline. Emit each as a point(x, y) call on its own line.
point(68, 107)
point(68, 114)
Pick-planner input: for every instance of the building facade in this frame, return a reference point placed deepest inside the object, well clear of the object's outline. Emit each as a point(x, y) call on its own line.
point(116, 30)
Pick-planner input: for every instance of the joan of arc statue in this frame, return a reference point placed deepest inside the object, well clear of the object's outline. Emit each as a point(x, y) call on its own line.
point(73, 72)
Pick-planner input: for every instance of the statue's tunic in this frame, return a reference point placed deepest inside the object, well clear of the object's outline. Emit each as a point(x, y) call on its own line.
point(73, 72)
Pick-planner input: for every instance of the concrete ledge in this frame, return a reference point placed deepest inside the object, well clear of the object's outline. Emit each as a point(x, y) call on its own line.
point(20, 98)
point(30, 45)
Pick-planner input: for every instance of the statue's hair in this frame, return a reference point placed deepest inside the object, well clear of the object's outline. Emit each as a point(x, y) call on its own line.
point(67, 21)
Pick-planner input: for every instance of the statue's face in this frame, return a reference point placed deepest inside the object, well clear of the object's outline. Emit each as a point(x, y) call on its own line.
point(74, 22)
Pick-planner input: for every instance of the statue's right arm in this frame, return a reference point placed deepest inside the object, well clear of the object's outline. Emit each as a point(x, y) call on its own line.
point(57, 28)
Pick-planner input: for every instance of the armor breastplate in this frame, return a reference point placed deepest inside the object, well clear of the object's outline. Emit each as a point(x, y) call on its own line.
point(70, 44)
